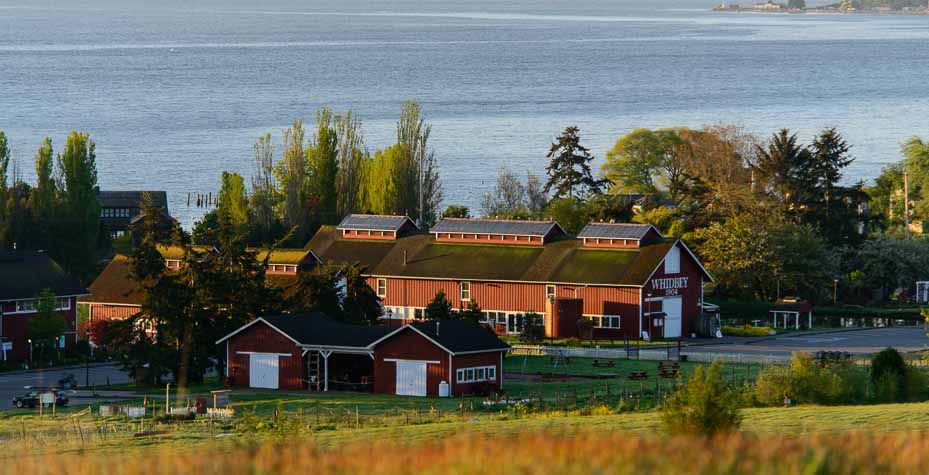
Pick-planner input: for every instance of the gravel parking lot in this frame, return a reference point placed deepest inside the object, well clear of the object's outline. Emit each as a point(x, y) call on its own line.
point(864, 341)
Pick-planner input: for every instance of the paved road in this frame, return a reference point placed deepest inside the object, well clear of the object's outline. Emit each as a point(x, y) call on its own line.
point(14, 384)
point(863, 341)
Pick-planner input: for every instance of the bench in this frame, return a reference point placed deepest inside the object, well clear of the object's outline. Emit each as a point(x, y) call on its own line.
point(638, 375)
point(605, 363)
point(669, 370)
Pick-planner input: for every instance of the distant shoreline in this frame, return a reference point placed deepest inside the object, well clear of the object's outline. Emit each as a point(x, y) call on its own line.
point(771, 8)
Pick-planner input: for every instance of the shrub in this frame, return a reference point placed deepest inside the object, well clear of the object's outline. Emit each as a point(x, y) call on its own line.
point(703, 406)
point(917, 384)
point(533, 330)
point(573, 341)
point(771, 385)
point(806, 381)
point(888, 369)
point(746, 330)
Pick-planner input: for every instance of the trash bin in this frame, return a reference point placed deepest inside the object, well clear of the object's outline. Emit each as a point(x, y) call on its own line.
point(443, 389)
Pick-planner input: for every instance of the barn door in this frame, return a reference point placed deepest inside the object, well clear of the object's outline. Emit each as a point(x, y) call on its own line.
point(263, 371)
point(672, 307)
point(411, 378)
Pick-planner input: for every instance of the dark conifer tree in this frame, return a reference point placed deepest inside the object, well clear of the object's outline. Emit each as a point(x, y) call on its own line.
point(569, 174)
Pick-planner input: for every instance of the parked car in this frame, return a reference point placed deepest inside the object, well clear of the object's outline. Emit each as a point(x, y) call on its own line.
point(31, 399)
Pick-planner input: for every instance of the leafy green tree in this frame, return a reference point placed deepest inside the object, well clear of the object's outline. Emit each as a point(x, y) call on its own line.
point(265, 226)
point(4, 188)
point(351, 160)
point(533, 329)
point(360, 304)
point(80, 211)
point(44, 199)
point(322, 157)
point(232, 203)
point(569, 169)
point(46, 327)
point(205, 228)
point(634, 163)
point(888, 374)
point(886, 263)
point(571, 213)
point(291, 174)
point(456, 211)
point(419, 188)
point(508, 198)
point(536, 198)
point(440, 308)
point(704, 405)
point(381, 195)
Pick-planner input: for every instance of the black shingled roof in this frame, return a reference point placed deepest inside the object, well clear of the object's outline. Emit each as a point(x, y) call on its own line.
point(130, 199)
point(461, 336)
point(508, 227)
point(374, 222)
point(25, 274)
point(615, 231)
point(318, 329)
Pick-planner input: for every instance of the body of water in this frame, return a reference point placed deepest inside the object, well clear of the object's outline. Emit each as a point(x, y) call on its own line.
point(176, 91)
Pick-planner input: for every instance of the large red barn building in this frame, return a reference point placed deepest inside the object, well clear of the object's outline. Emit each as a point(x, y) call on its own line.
point(24, 275)
point(626, 278)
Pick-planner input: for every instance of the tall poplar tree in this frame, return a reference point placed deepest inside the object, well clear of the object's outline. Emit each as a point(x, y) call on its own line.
point(81, 211)
point(4, 188)
point(43, 196)
point(232, 203)
point(419, 187)
point(351, 160)
point(291, 174)
point(262, 199)
point(323, 166)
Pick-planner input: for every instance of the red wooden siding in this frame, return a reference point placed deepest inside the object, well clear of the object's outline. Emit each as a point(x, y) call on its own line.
point(260, 338)
point(470, 361)
point(408, 345)
point(15, 328)
point(489, 238)
point(690, 307)
point(367, 234)
point(611, 243)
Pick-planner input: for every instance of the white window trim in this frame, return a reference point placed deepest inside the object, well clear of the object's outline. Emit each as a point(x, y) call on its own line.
point(377, 290)
point(462, 376)
point(598, 321)
point(35, 306)
point(463, 289)
point(551, 291)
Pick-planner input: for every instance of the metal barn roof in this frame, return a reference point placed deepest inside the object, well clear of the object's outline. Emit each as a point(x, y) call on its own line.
point(131, 199)
point(616, 231)
point(374, 222)
point(509, 227)
point(25, 274)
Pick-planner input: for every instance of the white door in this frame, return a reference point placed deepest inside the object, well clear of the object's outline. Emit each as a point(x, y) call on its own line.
point(263, 371)
point(672, 307)
point(411, 378)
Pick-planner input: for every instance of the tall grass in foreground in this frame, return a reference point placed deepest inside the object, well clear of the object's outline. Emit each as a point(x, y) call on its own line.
point(527, 453)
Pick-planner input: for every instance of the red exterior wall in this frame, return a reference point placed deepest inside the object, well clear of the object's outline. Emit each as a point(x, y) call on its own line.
point(15, 329)
point(692, 293)
point(408, 345)
point(102, 311)
point(260, 338)
point(611, 243)
point(365, 234)
point(470, 361)
point(489, 238)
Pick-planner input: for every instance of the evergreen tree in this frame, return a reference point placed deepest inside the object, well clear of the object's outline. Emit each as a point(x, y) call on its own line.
point(316, 290)
point(569, 170)
point(360, 304)
point(440, 308)
point(323, 166)
point(473, 312)
point(80, 211)
point(456, 211)
point(43, 196)
point(783, 168)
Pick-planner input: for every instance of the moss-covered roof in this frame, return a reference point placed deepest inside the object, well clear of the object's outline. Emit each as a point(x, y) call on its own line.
point(563, 261)
point(114, 285)
point(278, 256)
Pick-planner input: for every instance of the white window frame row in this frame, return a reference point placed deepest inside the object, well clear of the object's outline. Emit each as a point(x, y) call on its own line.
point(501, 317)
point(475, 374)
point(282, 268)
point(32, 305)
point(405, 313)
point(115, 213)
point(613, 322)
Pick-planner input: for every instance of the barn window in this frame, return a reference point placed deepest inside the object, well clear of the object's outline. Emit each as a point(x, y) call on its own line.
point(25, 306)
point(382, 288)
point(475, 375)
point(672, 262)
point(550, 292)
point(465, 291)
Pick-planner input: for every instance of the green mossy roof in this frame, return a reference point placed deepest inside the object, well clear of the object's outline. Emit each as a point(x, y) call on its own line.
point(278, 256)
point(563, 261)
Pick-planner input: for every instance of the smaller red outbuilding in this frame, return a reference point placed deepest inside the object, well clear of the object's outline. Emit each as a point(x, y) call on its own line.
point(314, 352)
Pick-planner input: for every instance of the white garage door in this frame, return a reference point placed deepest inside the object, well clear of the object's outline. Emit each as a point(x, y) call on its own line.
point(672, 307)
point(263, 371)
point(411, 378)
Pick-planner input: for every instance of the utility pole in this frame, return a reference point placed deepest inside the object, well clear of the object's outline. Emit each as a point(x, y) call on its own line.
point(906, 204)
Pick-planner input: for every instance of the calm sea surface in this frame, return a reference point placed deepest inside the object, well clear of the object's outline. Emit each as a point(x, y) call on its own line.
point(176, 91)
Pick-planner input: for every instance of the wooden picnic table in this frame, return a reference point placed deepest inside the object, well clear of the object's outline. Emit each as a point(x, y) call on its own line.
point(638, 375)
point(604, 363)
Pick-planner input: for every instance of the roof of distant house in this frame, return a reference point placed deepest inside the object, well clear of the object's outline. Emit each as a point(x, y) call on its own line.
point(616, 231)
point(509, 227)
point(131, 199)
point(375, 222)
point(460, 336)
point(318, 329)
point(25, 274)
point(114, 285)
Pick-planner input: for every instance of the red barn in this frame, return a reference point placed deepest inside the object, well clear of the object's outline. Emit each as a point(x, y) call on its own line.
point(24, 275)
point(317, 353)
point(624, 278)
